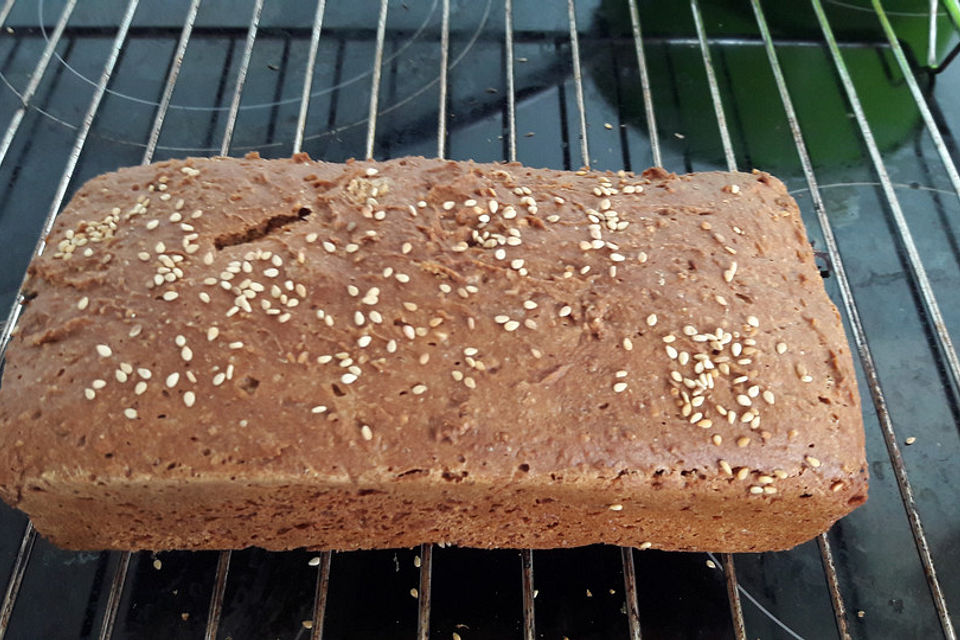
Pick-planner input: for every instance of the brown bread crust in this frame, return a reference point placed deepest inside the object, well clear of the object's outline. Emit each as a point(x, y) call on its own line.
point(228, 352)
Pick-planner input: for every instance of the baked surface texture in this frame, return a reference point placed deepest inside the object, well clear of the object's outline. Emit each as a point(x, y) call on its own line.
point(225, 352)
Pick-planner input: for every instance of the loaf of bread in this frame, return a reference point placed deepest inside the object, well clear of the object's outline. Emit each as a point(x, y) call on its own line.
point(218, 353)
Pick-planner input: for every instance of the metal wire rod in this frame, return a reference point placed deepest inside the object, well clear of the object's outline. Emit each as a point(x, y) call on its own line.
point(241, 77)
point(308, 75)
point(375, 81)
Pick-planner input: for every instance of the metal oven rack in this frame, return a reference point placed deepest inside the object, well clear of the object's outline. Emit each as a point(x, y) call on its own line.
point(559, 84)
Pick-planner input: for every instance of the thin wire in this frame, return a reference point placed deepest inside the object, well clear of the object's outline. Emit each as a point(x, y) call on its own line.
point(630, 584)
point(375, 82)
point(856, 324)
point(320, 596)
point(645, 84)
point(35, 79)
point(932, 37)
point(917, 93)
point(444, 59)
point(733, 595)
point(833, 584)
point(16, 577)
point(923, 283)
point(578, 81)
point(511, 83)
point(308, 75)
point(424, 593)
point(113, 600)
point(241, 77)
point(526, 581)
point(714, 88)
point(171, 81)
point(756, 603)
point(5, 11)
point(216, 598)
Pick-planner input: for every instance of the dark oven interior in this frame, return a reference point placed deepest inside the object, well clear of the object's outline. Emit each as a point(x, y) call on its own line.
point(852, 104)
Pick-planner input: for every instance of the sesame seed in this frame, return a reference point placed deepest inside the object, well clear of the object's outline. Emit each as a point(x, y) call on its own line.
point(671, 351)
point(756, 490)
point(104, 351)
point(645, 545)
point(669, 338)
point(726, 467)
point(768, 397)
point(364, 341)
point(469, 382)
point(628, 344)
point(501, 319)
point(131, 414)
point(753, 391)
point(237, 344)
point(318, 409)
point(620, 387)
point(84, 302)
point(652, 319)
point(187, 354)
point(511, 325)
point(616, 507)
point(212, 333)
point(813, 462)
point(836, 486)
point(419, 389)
point(730, 272)
point(219, 378)
point(781, 348)
point(189, 398)
point(910, 440)
point(743, 441)
point(392, 346)
point(170, 296)
point(120, 375)
point(689, 330)
point(402, 278)
point(753, 321)
point(366, 433)
point(565, 311)
point(743, 401)
point(89, 394)
point(529, 304)
point(348, 378)
point(621, 374)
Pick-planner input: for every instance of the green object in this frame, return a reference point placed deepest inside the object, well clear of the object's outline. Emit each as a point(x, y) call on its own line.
point(752, 104)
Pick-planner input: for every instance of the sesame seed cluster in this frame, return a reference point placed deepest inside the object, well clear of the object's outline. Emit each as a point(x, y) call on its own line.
point(481, 323)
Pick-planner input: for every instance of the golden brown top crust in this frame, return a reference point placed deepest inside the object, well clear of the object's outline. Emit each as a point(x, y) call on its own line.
point(371, 321)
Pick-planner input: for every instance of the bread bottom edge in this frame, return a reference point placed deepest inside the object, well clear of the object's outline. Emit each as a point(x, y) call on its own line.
point(200, 514)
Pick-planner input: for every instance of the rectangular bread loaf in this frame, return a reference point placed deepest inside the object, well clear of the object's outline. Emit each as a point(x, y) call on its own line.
point(227, 352)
